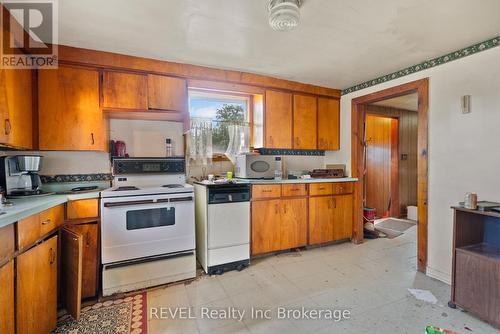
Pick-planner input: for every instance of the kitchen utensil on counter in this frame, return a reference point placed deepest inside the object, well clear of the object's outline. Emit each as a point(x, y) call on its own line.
point(470, 201)
point(327, 173)
point(19, 175)
point(118, 148)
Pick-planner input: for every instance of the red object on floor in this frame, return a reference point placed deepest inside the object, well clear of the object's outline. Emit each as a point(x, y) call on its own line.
point(369, 215)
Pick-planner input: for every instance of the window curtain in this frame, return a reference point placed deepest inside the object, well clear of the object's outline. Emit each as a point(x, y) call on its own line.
point(200, 142)
point(239, 140)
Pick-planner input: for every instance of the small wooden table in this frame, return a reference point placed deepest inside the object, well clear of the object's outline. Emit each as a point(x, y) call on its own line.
point(476, 263)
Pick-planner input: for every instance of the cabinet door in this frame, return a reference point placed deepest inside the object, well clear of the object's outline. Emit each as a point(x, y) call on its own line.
point(16, 85)
point(71, 271)
point(124, 91)
point(278, 120)
point(328, 124)
point(321, 219)
point(7, 298)
point(266, 217)
point(36, 292)
point(167, 93)
point(305, 122)
point(293, 224)
point(90, 256)
point(69, 114)
point(343, 216)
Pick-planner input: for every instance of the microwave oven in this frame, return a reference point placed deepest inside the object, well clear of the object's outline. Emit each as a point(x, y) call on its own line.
point(255, 166)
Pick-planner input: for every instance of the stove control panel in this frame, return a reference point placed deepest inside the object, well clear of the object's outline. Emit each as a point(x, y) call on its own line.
point(149, 166)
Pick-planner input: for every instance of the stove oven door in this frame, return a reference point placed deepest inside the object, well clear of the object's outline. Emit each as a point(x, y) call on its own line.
point(140, 226)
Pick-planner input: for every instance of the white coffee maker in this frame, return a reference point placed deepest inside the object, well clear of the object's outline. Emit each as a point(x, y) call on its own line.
point(19, 175)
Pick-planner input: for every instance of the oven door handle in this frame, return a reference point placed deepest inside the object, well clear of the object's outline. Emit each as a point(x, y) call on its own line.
point(127, 203)
point(181, 199)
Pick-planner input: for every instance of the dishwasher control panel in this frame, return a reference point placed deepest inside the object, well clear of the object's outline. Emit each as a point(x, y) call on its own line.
point(229, 193)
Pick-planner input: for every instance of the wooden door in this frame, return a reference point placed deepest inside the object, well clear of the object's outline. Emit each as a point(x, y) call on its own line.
point(343, 216)
point(69, 114)
point(266, 216)
point(328, 124)
point(7, 298)
point(71, 271)
point(379, 179)
point(36, 291)
point(305, 113)
point(293, 223)
point(167, 93)
point(124, 91)
point(18, 121)
point(278, 120)
point(4, 109)
point(90, 257)
point(320, 219)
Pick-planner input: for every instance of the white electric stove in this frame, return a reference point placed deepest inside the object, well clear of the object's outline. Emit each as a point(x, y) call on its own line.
point(147, 225)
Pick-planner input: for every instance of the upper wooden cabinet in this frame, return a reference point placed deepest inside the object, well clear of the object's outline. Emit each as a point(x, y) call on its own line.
point(16, 123)
point(278, 120)
point(69, 114)
point(124, 91)
point(305, 122)
point(167, 93)
point(328, 124)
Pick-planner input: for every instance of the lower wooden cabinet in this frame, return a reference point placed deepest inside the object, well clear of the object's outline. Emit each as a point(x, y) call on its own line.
point(90, 257)
point(7, 298)
point(278, 224)
point(330, 218)
point(36, 291)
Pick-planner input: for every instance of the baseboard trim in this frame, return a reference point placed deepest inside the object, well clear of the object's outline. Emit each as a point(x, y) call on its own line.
point(439, 275)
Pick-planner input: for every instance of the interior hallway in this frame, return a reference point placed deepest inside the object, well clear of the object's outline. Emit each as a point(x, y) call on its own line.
point(370, 279)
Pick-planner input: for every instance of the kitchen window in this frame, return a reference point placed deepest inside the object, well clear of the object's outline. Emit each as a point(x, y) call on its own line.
point(220, 124)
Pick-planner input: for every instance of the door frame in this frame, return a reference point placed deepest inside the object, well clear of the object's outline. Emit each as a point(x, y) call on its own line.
point(358, 116)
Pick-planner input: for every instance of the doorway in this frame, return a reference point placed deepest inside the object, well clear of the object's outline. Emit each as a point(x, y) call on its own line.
point(359, 114)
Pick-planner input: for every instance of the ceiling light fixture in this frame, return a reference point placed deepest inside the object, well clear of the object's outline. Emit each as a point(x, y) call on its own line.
point(284, 14)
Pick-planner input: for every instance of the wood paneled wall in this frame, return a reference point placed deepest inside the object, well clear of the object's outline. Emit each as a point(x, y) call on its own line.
point(407, 145)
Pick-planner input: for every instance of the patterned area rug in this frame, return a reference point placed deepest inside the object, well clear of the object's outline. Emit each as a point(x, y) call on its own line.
point(127, 315)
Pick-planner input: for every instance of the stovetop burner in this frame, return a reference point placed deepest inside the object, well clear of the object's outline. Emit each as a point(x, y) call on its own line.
point(125, 188)
point(174, 185)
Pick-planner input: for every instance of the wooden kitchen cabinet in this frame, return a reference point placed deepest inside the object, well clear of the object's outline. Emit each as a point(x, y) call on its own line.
point(278, 120)
point(83, 208)
point(167, 93)
point(34, 227)
point(293, 223)
point(305, 122)
point(7, 243)
point(16, 127)
point(266, 229)
point(36, 291)
point(124, 91)
point(321, 219)
point(69, 114)
point(71, 271)
point(342, 216)
point(328, 124)
point(263, 191)
point(7, 298)
point(90, 257)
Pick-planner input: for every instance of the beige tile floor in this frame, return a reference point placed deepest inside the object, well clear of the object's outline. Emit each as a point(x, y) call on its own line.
point(370, 280)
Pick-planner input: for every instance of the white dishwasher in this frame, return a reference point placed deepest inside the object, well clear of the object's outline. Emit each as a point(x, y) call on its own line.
point(222, 226)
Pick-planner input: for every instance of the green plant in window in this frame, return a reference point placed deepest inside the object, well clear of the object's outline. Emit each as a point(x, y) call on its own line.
point(226, 115)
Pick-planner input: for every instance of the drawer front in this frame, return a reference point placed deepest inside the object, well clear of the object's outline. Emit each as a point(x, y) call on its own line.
point(7, 246)
point(266, 191)
point(51, 219)
point(85, 208)
point(28, 231)
point(316, 189)
point(343, 188)
point(288, 190)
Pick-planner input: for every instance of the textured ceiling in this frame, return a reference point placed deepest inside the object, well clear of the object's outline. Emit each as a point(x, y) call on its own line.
point(338, 43)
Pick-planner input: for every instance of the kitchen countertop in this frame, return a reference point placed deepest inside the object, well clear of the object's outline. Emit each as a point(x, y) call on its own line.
point(290, 181)
point(25, 207)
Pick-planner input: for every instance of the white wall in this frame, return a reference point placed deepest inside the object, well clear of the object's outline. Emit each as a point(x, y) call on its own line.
point(464, 150)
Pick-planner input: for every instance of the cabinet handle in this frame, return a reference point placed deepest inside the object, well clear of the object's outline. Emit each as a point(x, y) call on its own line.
point(271, 140)
point(267, 191)
point(334, 203)
point(284, 208)
point(92, 138)
point(88, 240)
point(46, 222)
point(52, 256)
point(321, 188)
point(277, 209)
point(297, 141)
point(8, 127)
